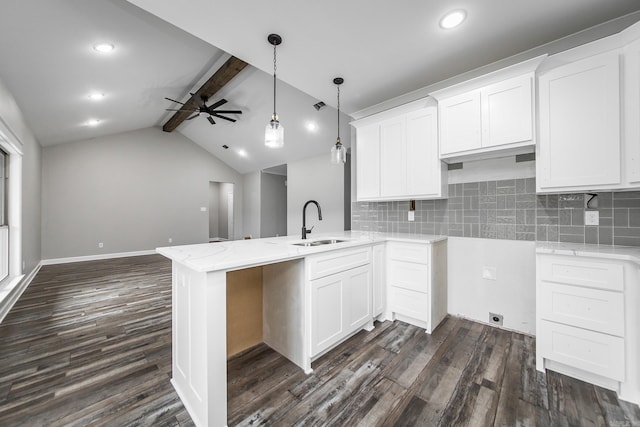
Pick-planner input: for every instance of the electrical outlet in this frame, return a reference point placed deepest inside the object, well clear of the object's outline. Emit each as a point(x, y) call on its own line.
point(100, 245)
point(411, 216)
point(495, 319)
point(489, 273)
point(170, 240)
point(591, 218)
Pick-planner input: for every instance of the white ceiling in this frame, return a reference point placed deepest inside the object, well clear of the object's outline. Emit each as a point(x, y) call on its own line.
point(383, 49)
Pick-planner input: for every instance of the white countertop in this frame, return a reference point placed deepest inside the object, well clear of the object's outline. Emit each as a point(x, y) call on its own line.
point(236, 254)
point(623, 253)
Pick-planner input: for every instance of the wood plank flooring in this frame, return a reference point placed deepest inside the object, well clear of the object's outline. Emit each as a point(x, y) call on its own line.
point(90, 344)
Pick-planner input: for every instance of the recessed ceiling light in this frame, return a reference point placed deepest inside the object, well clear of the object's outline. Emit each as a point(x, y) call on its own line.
point(242, 153)
point(103, 47)
point(311, 126)
point(96, 96)
point(93, 122)
point(453, 19)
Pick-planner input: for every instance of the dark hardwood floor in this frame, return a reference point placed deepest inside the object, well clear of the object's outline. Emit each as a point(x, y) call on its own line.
point(90, 344)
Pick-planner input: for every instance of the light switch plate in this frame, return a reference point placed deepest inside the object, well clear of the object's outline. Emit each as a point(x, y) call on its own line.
point(411, 216)
point(591, 218)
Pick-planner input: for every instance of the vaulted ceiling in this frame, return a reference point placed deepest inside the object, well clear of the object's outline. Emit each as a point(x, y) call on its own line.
point(382, 49)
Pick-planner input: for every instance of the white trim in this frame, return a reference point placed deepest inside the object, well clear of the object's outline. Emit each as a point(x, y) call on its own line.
point(14, 294)
point(96, 257)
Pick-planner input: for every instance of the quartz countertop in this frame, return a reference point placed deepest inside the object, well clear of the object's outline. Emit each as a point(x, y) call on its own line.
point(237, 254)
point(623, 253)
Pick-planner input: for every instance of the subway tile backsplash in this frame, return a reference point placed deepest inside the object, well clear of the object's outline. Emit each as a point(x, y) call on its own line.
point(509, 209)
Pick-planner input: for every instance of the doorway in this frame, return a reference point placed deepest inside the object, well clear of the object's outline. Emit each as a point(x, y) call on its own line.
point(221, 222)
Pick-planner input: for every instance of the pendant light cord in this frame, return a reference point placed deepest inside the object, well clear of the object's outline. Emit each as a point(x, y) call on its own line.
point(338, 115)
point(274, 82)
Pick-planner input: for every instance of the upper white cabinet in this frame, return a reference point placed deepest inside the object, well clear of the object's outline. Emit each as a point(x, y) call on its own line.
point(397, 154)
point(632, 111)
point(580, 125)
point(490, 116)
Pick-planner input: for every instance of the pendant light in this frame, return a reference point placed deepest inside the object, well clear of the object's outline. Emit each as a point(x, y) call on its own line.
point(274, 132)
point(338, 152)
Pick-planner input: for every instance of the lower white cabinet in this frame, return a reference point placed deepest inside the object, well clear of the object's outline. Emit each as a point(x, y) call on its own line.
point(379, 280)
point(586, 321)
point(340, 302)
point(417, 283)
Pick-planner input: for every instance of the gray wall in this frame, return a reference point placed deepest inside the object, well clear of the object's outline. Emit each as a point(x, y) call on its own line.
point(273, 205)
point(13, 119)
point(315, 178)
point(251, 217)
point(131, 191)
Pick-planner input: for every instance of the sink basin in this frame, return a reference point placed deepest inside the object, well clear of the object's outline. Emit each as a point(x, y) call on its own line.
point(319, 242)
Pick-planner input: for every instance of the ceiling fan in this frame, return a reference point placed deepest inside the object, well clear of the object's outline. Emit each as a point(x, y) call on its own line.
point(211, 110)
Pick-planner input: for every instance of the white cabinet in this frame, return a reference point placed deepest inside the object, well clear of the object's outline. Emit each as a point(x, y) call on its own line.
point(417, 283)
point(586, 322)
point(490, 116)
point(460, 123)
point(340, 298)
point(497, 115)
point(580, 123)
point(379, 280)
point(397, 155)
point(632, 111)
point(368, 162)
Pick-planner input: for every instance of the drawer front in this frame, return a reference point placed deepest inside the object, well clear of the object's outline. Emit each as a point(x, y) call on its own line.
point(409, 303)
point(593, 352)
point(337, 261)
point(594, 309)
point(408, 275)
point(411, 252)
point(593, 274)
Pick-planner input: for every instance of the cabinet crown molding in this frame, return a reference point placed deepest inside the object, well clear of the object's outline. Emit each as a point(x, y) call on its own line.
point(519, 69)
point(395, 112)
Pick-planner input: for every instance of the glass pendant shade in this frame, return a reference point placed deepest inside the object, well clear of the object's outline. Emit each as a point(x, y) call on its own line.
point(338, 154)
point(274, 134)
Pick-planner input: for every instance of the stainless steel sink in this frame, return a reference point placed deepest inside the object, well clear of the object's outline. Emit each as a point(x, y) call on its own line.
point(319, 242)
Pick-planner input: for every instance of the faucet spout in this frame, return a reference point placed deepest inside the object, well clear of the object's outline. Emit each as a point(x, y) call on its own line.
point(304, 217)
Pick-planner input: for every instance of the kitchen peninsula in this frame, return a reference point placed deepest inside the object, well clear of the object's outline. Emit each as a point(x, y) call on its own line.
point(313, 296)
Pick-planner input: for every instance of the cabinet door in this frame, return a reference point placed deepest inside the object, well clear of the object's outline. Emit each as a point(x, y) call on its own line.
point(368, 162)
point(507, 112)
point(327, 308)
point(423, 163)
point(379, 280)
point(632, 111)
point(460, 125)
point(393, 173)
point(357, 297)
point(580, 124)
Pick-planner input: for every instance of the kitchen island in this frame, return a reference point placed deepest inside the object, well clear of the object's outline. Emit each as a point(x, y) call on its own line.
point(291, 272)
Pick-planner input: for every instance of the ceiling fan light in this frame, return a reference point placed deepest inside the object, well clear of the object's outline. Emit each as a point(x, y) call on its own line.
point(274, 134)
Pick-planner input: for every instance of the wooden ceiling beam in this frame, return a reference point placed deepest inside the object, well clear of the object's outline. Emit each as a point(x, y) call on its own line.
point(216, 82)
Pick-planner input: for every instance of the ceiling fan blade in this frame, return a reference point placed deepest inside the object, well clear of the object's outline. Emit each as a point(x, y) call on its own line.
point(194, 116)
point(228, 111)
point(180, 109)
point(224, 118)
point(173, 100)
point(217, 104)
point(211, 120)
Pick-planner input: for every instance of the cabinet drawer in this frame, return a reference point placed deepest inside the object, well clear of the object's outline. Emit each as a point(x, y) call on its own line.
point(594, 309)
point(593, 352)
point(409, 303)
point(337, 261)
point(409, 275)
point(412, 252)
point(572, 271)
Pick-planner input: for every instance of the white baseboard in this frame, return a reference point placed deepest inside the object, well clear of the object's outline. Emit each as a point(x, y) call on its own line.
point(14, 294)
point(96, 257)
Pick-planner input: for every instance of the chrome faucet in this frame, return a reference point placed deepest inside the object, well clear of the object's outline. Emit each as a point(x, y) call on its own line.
point(304, 217)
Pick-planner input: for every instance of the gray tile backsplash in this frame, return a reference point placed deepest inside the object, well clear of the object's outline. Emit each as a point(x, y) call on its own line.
point(509, 209)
